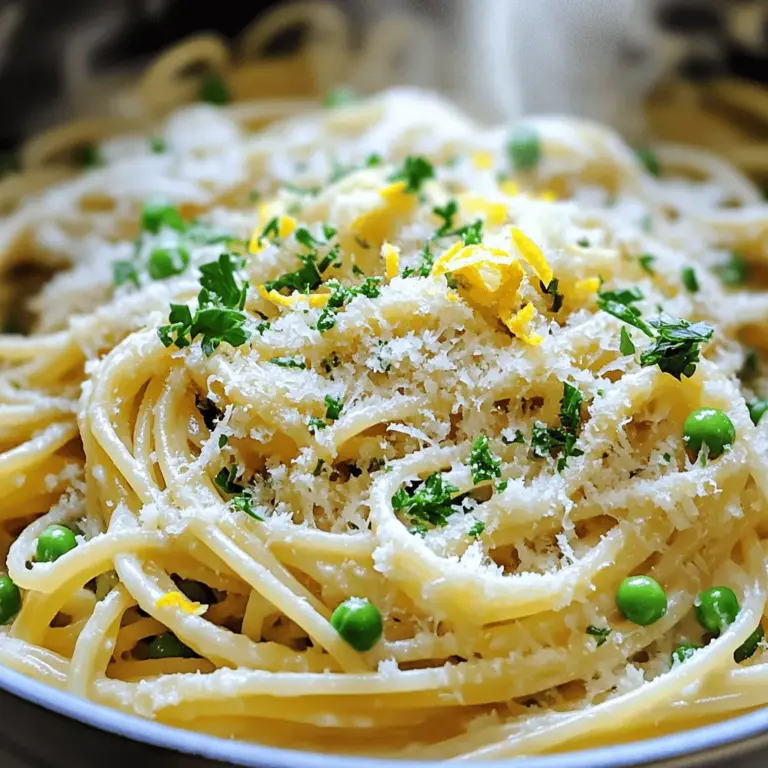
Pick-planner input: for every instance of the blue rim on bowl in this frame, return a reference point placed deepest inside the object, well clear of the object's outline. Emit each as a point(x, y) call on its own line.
point(702, 746)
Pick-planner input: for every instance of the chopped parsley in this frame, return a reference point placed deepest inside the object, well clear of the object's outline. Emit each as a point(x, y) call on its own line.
point(314, 424)
point(158, 145)
point(341, 96)
point(213, 90)
point(676, 349)
point(484, 464)
point(599, 633)
point(552, 290)
point(167, 262)
point(518, 437)
point(626, 345)
point(158, 213)
point(471, 234)
point(733, 272)
point(223, 440)
point(690, 281)
point(620, 304)
point(341, 295)
point(218, 316)
point(545, 440)
point(89, 156)
point(124, 271)
point(310, 274)
point(333, 407)
point(476, 530)
point(289, 362)
point(446, 213)
point(427, 260)
point(414, 172)
point(649, 161)
point(429, 503)
point(646, 262)
point(318, 468)
point(241, 499)
point(524, 149)
point(502, 485)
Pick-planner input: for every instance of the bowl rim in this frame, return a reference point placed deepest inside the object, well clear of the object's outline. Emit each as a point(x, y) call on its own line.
point(727, 739)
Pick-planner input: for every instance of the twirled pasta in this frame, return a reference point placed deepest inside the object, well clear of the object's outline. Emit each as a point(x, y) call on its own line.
point(486, 650)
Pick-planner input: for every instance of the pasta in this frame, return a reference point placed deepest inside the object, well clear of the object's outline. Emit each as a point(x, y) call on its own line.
point(349, 433)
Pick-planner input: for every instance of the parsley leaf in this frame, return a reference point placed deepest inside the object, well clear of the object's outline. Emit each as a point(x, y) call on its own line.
point(167, 262)
point(429, 503)
point(219, 283)
point(446, 213)
point(157, 213)
point(89, 156)
point(310, 274)
point(649, 161)
point(124, 271)
point(734, 272)
point(545, 440)
point(600, 633)
point(341, 96)
point(414, 172)
point(427, 260)
point(551, 290)
point(484, 464)
point(471, 234)
point(570, 407)
point(519, 438)
point(690, 281)
point(341, 295)
point(620, 304)
point(289, 362)
point(158, 145)
point(626, 345)
point(241, 499)
point(476, 530)
point(333, 407)
point(676, 349)
point(314, 424)
point(646, 262)
point(213, 90)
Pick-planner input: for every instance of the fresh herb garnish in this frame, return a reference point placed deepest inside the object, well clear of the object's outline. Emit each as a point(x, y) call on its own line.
point(314, 424)
point(485, 465)
point(690, 281)
point(158, 145)
point(476, 530)
point(545, 440)
point(646, 262)
point(429, 503)
point(649, 161)
point(471, 234)
point(620, 304)
point(599, 633)
point(341, 96)
point(157, 213)
point(310, 275)
point(213, 90)
point(289, 362)
point(626, 345)
point(414, 172)
point(124, 271)
point(446, 213)
point(89, 156)
point(341, 295)
point(734, 272)
point(167, 262)
point(333, 407)
point(218, 316)
point(676, 349)
point(223, 440)
point(427, 260)
point(502, 485)
point(552, 290)
point(518, 438)
point(241, 499)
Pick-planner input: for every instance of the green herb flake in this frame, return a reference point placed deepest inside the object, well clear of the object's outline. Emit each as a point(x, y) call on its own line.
point(167, 262)
point(546, 440)
point(223, 440)
point(158, 213)
point(734, 272)
point(620, 304)
point(552, 290)
point(429, 503)
point(123, 272)
point(518, 438)
point(626, 345)
point(314, 425)
point(158, 145)
point(214, 90)
point(341, 96)
point(599, 633)
point(649, 161)
point(89, 156)
point(690, 281)
point(414, 172)
point(289, 362)
point(447, 214)
point(677, 345)
point(485, 465)
point(476, 531)
point(333, 407)
point(646, 262)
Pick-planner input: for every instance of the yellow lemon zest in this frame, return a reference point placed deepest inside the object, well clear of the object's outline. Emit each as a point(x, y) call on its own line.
point(510, 188)
point(495, 214)
point(391, 255)
point(588, 285)
point(483, 161)
point(177, 600)
point(533, 255)
point(374, 225)
point(315, 300)
point(517, 324)
point(548, 195)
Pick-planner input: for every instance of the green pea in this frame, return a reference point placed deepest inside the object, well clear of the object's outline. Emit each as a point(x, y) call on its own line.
point(10, 599)
point(214, 90)
point(158, 213)
point(54, 541)
point(757, 409)
point(747, 649)
point(641, 600)
point(169, 646)
point(358, 622)
point(716, 609)
point(166, 262)
point(710, 427)
point(524, 148)
point(683, 652)
point(341, 96)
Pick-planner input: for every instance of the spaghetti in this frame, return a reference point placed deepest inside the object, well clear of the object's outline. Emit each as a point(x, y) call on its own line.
point(386, 358)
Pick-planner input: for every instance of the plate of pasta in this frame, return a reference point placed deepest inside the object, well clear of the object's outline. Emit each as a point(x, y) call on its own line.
point(368, 430)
